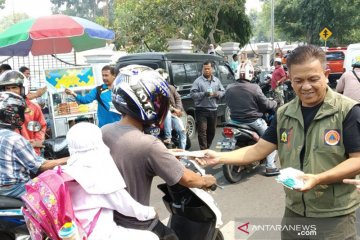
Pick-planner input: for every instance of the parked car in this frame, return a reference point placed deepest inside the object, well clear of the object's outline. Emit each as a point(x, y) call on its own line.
point(183, 69)
point(335, 60)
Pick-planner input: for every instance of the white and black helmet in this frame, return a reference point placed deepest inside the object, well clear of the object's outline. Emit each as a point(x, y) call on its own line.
point(355, 63)
point(245, 71)
point(142, 93)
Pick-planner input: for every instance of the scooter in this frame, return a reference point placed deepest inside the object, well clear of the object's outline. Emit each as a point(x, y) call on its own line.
point(194, 214)
point(12, 223)
point(53, 148)
point(56, 148)
point(236, 136)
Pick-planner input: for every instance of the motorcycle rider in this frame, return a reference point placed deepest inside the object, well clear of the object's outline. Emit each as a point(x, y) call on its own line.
point(248, 104)
point(142, 96)
point(172, 119)
point(13, 81)
point(17, 156)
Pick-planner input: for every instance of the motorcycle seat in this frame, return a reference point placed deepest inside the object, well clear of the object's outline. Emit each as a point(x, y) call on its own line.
point(9, 202)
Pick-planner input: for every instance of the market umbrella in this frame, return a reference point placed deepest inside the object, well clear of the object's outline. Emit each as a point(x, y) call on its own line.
point(52, 35)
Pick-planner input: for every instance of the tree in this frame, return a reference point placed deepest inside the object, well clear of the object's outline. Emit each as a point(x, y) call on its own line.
point(2, 4)
point(304, 19)
point(89, 9)
point(151, 23)
point(9, 20)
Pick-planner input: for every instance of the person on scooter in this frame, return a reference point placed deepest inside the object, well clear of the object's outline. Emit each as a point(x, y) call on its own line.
point(13, 81)
point(17, 156)
point(318, 133)
point(100, 188)
point(142, 96)
point(248, 104)
point(172, 119)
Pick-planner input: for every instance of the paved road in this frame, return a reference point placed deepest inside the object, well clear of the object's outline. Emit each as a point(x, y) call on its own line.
point(255, 198)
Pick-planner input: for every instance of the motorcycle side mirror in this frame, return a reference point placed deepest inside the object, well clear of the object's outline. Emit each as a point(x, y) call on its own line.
point(33, 126)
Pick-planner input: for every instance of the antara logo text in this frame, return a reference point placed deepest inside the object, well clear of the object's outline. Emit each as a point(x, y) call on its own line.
point(301, 229)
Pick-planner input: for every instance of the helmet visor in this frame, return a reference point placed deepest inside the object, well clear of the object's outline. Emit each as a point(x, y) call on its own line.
point(161, 107)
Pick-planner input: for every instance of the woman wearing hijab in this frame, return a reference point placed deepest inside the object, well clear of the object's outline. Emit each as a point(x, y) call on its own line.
point(99, 186)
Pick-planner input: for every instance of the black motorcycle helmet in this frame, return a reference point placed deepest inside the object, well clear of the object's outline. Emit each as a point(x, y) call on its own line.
point(11, 78)
point(142, 93)
point(12, 109)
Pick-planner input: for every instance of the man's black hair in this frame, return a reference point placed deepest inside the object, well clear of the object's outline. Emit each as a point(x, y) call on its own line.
point(23, 69)
point(4, 67)
point(109, 68)
point(207, 62)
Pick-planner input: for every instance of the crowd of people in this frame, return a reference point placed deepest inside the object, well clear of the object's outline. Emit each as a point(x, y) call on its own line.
point(317, 132)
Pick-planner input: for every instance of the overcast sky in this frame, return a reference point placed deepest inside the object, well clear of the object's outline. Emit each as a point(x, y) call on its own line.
point(37, 8)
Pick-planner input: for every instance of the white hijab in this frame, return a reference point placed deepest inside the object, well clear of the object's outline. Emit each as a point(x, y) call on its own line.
point(90, 162)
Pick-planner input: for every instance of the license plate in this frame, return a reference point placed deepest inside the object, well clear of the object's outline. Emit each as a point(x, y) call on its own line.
point(226, 144)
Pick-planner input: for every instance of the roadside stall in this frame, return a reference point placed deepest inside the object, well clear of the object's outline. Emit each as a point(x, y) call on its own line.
point(64, 110)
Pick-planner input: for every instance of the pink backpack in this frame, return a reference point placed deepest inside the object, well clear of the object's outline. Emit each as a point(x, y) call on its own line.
point(48, 206)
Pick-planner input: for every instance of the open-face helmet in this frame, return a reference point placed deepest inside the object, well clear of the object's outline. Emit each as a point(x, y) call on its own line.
point(13, 78)
point(245, 71)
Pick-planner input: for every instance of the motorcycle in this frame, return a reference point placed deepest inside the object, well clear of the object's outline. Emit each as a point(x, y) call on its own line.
point(264, 84)
point(12, 223)
point(56, 148)
point(237, 136)
point(289, 93)
point(194, 214)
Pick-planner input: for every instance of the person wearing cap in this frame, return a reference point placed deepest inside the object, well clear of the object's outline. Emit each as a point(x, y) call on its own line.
point(349, 82)
point(277, 79)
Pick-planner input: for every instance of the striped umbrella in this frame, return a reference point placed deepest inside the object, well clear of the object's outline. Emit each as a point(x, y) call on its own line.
point(52, 35)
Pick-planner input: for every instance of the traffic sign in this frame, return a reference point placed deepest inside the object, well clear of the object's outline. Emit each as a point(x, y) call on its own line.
point(325, 34)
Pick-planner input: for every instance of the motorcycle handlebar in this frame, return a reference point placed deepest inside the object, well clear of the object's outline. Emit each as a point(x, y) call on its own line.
point(213, 187)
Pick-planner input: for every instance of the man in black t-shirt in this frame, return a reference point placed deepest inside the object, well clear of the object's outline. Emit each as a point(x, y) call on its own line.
point(318, 133)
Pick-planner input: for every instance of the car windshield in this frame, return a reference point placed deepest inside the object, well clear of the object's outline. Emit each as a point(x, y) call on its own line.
point(335, 56)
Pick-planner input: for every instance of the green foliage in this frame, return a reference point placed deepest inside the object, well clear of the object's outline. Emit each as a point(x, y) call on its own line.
point(152, 22)
point(303, 20)
point(9, 20)
point(2, 4)
point(94, 10)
